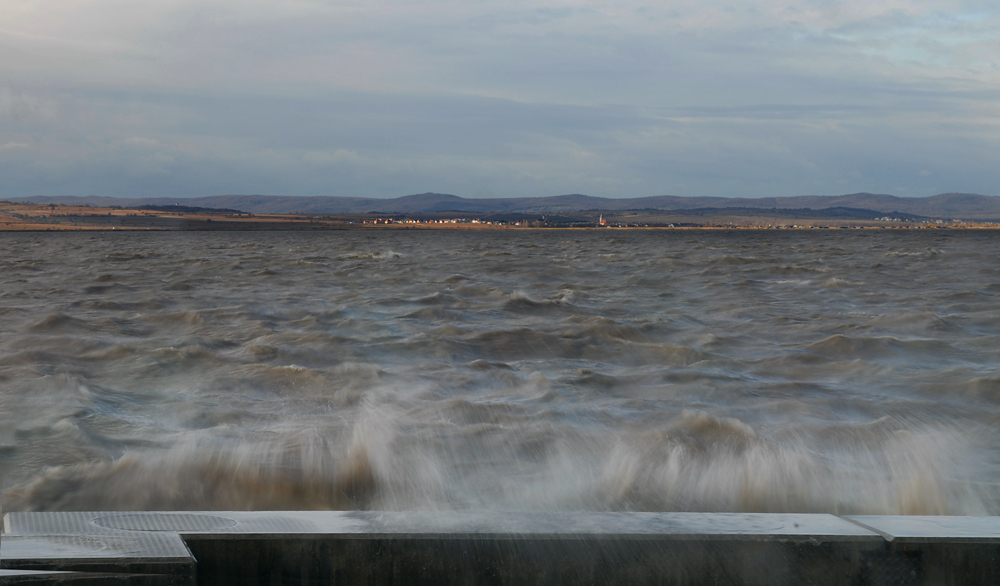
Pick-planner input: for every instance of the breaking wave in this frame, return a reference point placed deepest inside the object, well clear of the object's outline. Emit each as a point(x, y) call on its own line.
point(626, 371)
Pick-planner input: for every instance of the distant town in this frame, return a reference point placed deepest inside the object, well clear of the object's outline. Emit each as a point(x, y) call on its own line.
point(64, 217)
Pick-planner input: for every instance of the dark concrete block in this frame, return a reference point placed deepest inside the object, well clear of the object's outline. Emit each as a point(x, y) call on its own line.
point(505, 560)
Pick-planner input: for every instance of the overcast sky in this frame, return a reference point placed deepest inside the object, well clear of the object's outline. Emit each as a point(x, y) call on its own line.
point(483, 98)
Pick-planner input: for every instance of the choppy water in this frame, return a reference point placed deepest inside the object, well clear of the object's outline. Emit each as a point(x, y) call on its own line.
point(835, 371)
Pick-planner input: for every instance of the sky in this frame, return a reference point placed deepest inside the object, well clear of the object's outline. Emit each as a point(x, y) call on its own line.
point(483, 98)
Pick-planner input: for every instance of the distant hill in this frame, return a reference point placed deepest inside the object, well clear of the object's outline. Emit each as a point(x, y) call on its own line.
point(187, 209)
point(835, 213)
point(947, 206)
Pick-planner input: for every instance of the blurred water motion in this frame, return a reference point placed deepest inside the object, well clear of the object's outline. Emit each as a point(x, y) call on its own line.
point(835, 371)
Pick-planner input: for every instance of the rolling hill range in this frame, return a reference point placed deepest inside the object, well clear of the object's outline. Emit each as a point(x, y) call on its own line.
point(948, 205)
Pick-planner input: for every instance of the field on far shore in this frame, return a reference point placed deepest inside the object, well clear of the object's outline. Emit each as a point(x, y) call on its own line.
point(21, 217)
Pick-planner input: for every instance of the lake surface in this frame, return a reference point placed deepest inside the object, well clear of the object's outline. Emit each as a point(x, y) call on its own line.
point(802, 371)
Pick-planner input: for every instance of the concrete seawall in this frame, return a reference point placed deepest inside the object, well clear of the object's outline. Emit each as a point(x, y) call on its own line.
point(393, 548)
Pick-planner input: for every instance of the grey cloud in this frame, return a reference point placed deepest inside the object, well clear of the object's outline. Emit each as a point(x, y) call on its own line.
point(468, 145)
point(502, 98)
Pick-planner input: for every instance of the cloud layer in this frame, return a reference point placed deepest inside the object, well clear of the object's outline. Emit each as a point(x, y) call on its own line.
point(515, 98)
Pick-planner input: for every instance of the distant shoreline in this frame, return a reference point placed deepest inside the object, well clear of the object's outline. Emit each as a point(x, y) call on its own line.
point(24, 217)
point(945, 206)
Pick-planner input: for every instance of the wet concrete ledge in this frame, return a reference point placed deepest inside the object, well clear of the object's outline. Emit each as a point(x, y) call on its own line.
point(410, 548)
